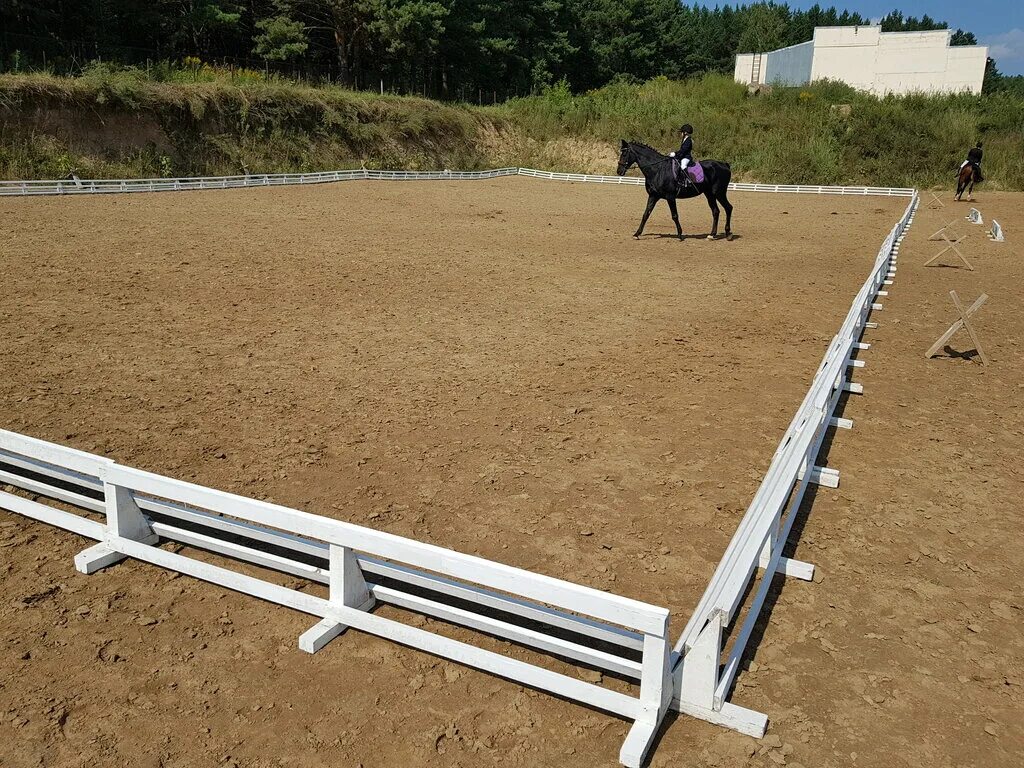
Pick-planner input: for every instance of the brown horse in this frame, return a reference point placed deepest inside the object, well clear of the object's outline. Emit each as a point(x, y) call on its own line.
point(965, 180)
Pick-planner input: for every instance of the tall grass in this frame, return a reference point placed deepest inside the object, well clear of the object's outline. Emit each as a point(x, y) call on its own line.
point(826, 133)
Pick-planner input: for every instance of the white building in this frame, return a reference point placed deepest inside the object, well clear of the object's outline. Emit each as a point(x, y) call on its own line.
point(871, 60)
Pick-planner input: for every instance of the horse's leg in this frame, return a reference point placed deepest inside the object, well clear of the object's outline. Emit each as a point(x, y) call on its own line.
point(714, 213)
point(651, 202)
point(724, 200)
point(675, 216)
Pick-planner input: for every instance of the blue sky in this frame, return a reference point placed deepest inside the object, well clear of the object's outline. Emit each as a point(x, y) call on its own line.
point(999, 24)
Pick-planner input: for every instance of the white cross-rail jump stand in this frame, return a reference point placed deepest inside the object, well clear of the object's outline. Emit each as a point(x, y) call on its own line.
point(961, 322)
point(946, 228)
point(996, 233)
point(974, 216)
point(951, 245)
point(935, 199)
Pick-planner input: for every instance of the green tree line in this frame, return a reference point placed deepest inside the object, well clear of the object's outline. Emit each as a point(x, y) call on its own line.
point(466, 50)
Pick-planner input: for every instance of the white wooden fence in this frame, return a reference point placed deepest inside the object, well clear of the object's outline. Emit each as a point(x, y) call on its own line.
point(361, 566)
point(108, 186)
point(703, 679)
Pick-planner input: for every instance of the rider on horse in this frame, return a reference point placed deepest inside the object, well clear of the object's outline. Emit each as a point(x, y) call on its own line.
point(684, 155)
point(974, 158)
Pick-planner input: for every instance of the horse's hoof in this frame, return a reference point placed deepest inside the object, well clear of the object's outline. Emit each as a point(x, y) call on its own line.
point(712, 237)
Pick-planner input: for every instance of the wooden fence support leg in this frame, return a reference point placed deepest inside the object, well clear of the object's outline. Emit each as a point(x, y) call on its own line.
point(348, 588)
point(125, 521)
point(655, 698)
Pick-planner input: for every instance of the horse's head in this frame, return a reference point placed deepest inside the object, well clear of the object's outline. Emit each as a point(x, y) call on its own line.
point(626, 158)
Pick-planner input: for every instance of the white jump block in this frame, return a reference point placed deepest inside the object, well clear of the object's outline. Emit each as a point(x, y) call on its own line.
point(887, 282)
point(853, 387)
point(996, 233)
point(840, 423)
point(974, 216)
point(856, 363)
point(871, 324)
point(861, 345)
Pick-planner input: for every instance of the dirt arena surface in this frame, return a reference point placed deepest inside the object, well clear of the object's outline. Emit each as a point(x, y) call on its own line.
point(497, 367)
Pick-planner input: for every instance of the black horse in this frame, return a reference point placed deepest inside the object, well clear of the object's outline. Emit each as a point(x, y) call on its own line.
point(661, 183)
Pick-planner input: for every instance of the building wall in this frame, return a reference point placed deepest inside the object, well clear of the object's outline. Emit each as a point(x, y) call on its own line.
point(790, 66)
point(870, 60)
point(847, 54)
point(744, 68)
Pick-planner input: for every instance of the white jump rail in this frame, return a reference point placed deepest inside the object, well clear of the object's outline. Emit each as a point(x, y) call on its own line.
point(113, 186)
point(361, 566)
point(702, 678)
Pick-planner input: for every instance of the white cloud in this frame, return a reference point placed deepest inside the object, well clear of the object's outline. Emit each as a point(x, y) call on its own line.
point(1007, 46)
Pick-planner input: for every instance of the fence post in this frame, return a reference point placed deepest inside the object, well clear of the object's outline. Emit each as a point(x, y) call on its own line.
point(348, 589)
point(698, 676)
point(655, 698)
point(124, 521)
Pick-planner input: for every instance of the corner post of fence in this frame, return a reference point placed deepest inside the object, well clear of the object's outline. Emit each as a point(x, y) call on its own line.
point(348, 590)
point(124, 521)
point(655, 697)
point(697, 672)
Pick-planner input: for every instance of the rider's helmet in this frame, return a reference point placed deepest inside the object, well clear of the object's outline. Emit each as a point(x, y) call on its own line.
point(686, 128)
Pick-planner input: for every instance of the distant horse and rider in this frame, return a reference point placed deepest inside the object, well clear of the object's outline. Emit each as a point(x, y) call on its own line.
point(677, 176)
point(969, 173)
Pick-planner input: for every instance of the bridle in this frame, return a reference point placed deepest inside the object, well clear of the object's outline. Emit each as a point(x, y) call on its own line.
point(649, 165)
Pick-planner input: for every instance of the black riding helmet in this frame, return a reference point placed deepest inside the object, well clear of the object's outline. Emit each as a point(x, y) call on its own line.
point(686, 128)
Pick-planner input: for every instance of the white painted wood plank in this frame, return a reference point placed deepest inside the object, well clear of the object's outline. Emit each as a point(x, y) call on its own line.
point(44, 514)
point(68, 497)
point(52, 453)
point(535, 639)
point(50, 470)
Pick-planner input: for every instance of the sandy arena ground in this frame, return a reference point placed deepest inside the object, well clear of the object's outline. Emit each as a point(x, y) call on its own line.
point(497, 367)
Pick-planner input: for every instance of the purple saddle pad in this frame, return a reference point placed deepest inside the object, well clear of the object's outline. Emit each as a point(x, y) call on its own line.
point(696, 173)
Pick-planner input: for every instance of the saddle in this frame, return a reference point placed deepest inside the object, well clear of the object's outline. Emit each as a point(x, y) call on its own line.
point(694, 173)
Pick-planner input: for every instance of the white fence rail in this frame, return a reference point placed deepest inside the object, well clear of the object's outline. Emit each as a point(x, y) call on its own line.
point(361, 566)
point(703, 680)
point(77, 186)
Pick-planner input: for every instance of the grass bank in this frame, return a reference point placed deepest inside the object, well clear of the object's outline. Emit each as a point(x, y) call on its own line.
point(121, 124)
point(124, 124)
